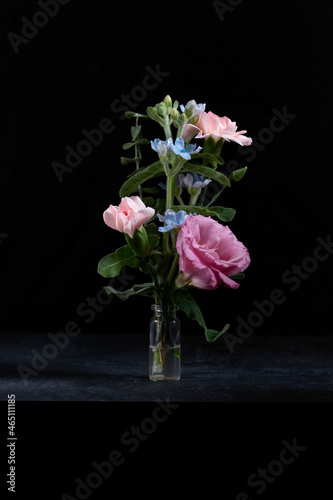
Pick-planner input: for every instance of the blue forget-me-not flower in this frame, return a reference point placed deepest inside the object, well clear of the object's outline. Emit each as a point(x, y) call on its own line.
point(172, 219)
point(161, 147)
point(185, 152)
point(192, 109)
point(192, 180)
point(179, 148)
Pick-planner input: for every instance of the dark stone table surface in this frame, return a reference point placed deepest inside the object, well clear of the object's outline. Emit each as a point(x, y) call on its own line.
point(103, 367)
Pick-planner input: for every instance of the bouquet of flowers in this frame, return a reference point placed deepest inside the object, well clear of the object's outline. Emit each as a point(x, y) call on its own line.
point(174, 233)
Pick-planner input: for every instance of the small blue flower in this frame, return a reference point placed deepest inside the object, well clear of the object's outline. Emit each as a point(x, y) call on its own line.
point(161, 147)
point(192, 109)
point(179, 148)
point(192, 180)
point(172, 219)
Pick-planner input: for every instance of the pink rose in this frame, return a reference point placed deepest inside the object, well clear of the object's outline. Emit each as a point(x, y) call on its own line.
point(217, 127)
point(131, 214)
point(208, 253)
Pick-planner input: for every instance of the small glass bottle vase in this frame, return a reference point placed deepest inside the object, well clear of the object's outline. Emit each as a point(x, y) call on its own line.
point(164, 344)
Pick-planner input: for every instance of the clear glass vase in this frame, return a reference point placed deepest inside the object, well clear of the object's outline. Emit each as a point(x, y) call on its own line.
point(164, 344)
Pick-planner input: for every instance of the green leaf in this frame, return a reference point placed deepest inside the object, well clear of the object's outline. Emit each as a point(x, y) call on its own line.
point(151, 190)
point(160, 206)
point(151, 112)
point(148, 201)
point(176, 352)
point(184, 300)
point(141, 176)
point(126, 161)
point(151, 229)
point(154, 241)
point(143, 141)
point(111, 265)
point(213, 159)
point(131, 114)
point(145, 289)
point(135, 172)
point(128, 145)
point(238, 276)
point(144, 268)
point(207, 172)
point(135, 131)
point(224, 214)
point(122, 295)
point(212, 335)
point(237, 175)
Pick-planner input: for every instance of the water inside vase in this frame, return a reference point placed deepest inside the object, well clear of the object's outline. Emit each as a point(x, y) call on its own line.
point(164, 363)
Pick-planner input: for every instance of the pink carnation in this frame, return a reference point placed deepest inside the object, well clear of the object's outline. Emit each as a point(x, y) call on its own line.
point(131, 214)
point(208, 253)
point(212, 125)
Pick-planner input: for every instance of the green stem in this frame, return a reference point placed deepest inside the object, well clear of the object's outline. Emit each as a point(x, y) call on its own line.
point(173, 237)
point(194, 197)
point(169, 203)
point(203, 196)
point(170, 191)
point(177, 168)
point(166, 248)
point(167, 130)
point(160, 337)
point(180, 201)
point(172, 270)
point(138, 158)
point(216, 197)
point(166, 168)
point(180, 130)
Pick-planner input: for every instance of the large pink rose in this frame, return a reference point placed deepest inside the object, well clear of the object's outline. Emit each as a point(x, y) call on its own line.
point(212, 125)
point(208, 253)
point(131, 214)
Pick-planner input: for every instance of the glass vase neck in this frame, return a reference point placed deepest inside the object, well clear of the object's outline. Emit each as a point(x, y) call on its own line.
point(164, 309)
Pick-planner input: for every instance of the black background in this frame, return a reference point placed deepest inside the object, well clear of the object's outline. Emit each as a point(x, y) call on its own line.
point(262, 56)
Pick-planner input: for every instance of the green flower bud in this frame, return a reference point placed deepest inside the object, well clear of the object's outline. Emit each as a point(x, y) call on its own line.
point(174, 114)
point(183, 118)
point(161, 109)
point(167, 101)
point(194, 120)
point(139, 243)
